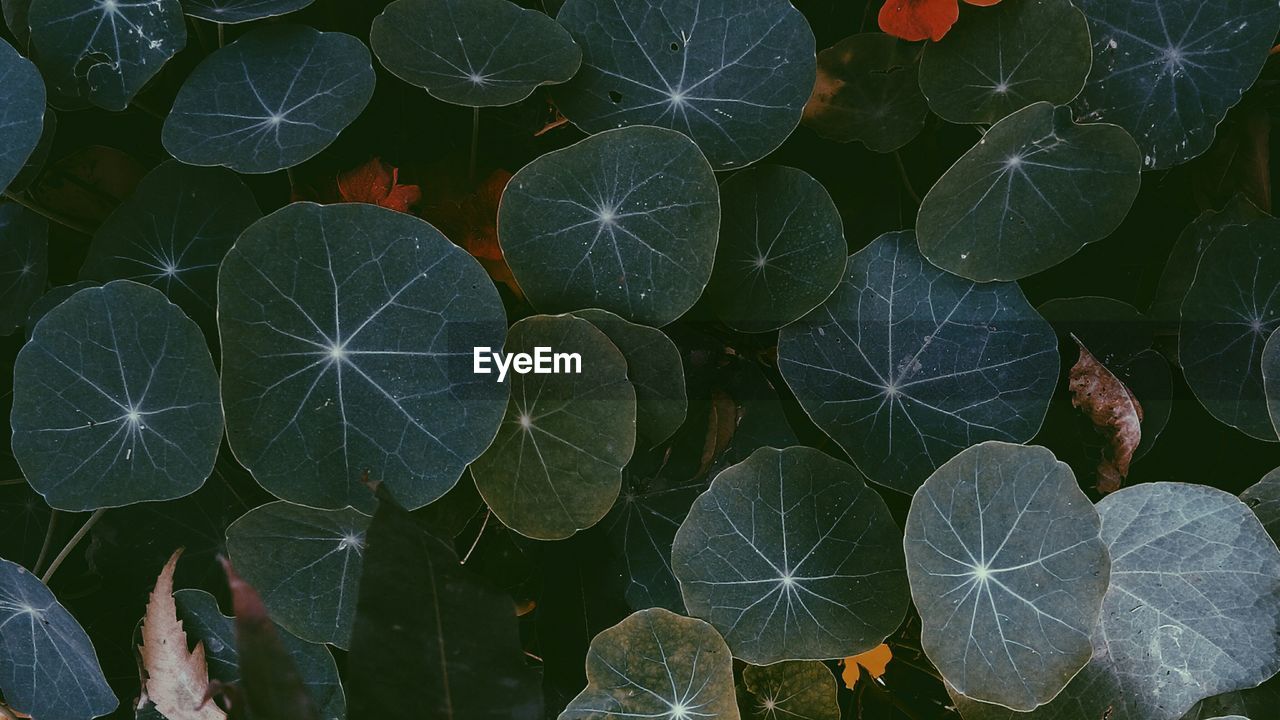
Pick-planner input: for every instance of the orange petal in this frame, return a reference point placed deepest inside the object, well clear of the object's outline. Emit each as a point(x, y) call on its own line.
point(983, 3)
point(919, 19)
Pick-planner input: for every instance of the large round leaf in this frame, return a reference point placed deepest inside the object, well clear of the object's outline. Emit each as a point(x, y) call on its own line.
point(1271, 377)
point(115, 401)
point(556, 465)
point(1264, 497)
point(270, 100)
point(1190, 612)
point(907, 365)
point(654, 369)
point(204, 622)
point(794, 690)
point(781, 250)
point(1031, 193)
point(1168, 70)
point(625, 221)
point(1008, 571)
point(50, 300)
point(21, 111)
point(105, 51)
point(473, 52)
point(868, 90)
point(657, 664)
point(305, 563)
point(732, 74)
point(791, 556)
point(1000, 60)
point(48, 667)
point(172, 234)
point(230, 12)
point(24, 263)
point(347, 335)
point(1227, 316)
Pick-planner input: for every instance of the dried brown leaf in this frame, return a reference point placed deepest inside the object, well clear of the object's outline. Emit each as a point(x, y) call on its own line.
point(177, 678)
point(722, 423)
point(1114, 411)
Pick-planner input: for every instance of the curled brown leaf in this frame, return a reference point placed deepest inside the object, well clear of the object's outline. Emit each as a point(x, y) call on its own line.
point(1114, 411)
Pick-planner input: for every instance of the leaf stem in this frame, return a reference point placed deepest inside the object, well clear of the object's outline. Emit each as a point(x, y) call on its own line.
point(15, 481)
point(475, 142)
point(487, 514)
point(6, 712)
point(906, 180)
point(222, 37)
point(47, 214)
point(71, 544)
point(48, 540)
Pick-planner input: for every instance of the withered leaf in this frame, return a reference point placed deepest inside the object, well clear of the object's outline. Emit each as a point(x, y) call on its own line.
point(177, 679)
point(1114, 411)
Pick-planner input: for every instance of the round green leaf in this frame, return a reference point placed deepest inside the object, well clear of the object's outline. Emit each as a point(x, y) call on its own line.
point(172, 234)
point(906, 365)
point(48, 667)
point(1000, 60)
point(347, 335)
point(793, 690)
point(105, 51)
point(1168, 70)
point(51, 300)
point(868, 90)
point(1264, 497)
point(1190, 611)
point(115, 401)
point(625, 221)
point(1229, 312)
point(1008, 571)
point(24, 263)
point(655, 370)
point(556, 465)
point(204, 622)
point(305, 563)
point(1031, 193)
point(1271, 377)
point(476, 53)
point(231, 12)
point(781, 250)
point(733, 75)
point(270, 100)
point(791, 556)
point(22, 111)
point(657, 664)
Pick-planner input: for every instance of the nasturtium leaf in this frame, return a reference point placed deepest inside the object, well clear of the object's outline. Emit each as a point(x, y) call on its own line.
point(231, 12)
point(657, 664)
point(868, 90)
point(1271, 377)
point(15, 16)
point(476, 53)
point(105, 51)
point(906, 365)
point(270, 100)
point(432, 640)
point(1190, 611)
point(1264, 497)
point(305, 564)
point(172, 234)
point(48, 667)
point(654, 369)
point(1008, 571)
point(1168, 70)
point(115, 401)
point(733, 75)
point(641, 528)
point(556, 466)
point(347, 336)
point(22, 111)
point(34, 166)
point(204, 622)
point(792, 690)
point(781, 250)
point(1251, 703)
point(1033, 191)
point(792, 557)
point(1184, 256)
point(625, 221)
point(24, 263)
point(51, 299)
point(1229, 312)
point(1000, 60)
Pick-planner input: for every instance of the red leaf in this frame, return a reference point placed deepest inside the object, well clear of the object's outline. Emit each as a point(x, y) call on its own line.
point(377, 183)
point(920, 19)
point(469, 217)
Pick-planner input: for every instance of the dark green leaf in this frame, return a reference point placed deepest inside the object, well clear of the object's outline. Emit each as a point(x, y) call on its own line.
point(230, 12)
point(793, 690)
point(473, 52)
point(51, 299)
point(1033, 191)
point(732, 74)
point(1264, 498)
point(24, 263)
point(1271, 377)
point(21, 111)
point(868, 90)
